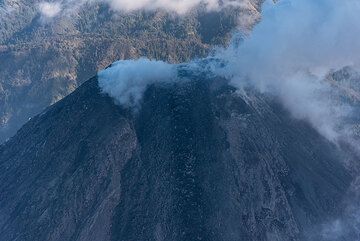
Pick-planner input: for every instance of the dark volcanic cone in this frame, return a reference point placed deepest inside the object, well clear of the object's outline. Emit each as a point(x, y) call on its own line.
point(198, 161)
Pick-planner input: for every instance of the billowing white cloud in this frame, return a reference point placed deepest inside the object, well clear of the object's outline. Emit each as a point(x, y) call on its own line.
point(178, 6)
point(169, 5)
point(127, 80)
point(50, 9)
point(291, 51)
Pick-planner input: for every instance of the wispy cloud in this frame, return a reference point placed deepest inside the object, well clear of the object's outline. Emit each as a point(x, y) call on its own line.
point(49, 9)
point(292, 50)
point(126, 81)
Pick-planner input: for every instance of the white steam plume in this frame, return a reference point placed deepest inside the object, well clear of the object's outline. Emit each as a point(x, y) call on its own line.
point(176, 6)
point(169, 5)
point(126, 81)
point(49, 9)
point(291, 51)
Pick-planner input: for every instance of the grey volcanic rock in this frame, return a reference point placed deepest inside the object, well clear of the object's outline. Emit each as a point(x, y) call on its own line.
point(197, 161)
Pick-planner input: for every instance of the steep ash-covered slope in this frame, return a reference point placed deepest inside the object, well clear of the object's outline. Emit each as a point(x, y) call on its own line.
point(197, 161)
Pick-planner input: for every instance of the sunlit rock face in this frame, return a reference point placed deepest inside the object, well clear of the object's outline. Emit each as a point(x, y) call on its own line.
point(197, 161)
